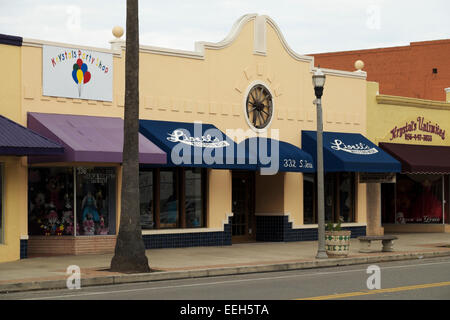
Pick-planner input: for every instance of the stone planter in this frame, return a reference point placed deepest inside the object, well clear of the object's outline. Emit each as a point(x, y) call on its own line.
point(337, 243)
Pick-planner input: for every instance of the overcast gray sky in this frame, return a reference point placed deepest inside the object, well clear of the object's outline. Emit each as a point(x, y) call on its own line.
point(309, 26)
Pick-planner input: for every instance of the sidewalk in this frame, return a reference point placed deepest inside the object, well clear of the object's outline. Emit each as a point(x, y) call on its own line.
point(179, 263)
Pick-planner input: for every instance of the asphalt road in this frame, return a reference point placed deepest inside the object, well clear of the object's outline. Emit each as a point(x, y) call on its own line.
point(410, 280)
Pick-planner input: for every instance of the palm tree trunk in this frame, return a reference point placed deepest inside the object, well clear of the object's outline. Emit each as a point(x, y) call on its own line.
point(129, 254)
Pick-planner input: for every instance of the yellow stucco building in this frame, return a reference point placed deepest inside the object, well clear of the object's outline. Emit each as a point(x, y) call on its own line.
point(415, 132)
point(13, 173)
point(74, 96)
point(13, 151)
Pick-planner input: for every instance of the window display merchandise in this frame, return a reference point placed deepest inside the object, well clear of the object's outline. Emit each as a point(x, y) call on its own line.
point(52, 210)
point(50, 192)
point(415, 198)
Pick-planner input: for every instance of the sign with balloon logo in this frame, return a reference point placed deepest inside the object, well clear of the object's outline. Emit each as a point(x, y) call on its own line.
point(80, 74)
point(77, 73)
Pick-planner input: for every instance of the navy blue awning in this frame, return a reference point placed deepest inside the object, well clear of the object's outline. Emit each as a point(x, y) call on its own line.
point(274, 155)
point(350, 152)
point(194, 145)
point(17, 140)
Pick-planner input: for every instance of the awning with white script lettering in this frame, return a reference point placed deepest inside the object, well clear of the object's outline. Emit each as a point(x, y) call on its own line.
point(194, 144)
point(350, 152)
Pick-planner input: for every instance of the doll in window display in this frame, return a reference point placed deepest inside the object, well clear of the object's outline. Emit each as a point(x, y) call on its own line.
point(52, 219)
point(54, 192)
point(67, 217)
point(90, 214)
point(102, 227)
point(88, 225)
point(89, 205)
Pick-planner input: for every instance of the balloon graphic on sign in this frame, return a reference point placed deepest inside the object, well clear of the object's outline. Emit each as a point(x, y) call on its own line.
point(80, 74)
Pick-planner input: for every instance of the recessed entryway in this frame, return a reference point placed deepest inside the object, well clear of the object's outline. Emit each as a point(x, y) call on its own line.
point(243, 225)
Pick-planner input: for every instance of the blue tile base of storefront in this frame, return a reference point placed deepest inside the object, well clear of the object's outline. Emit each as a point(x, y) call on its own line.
point(268, 228)
point(278, 228)
point(23, 249)
point(191, 239)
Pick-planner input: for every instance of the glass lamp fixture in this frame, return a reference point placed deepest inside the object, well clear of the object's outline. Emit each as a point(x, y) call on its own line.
point(318, 80)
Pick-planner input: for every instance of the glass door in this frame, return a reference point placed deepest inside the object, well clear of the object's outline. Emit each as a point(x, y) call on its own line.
point(243, 207)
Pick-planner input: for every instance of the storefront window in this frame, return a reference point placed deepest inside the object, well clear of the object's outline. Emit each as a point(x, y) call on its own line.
point(50, 194)
point(427, 207)
point(146, 200)
point(96, 201)
point(193, 198)
point(339, 197)
point(168, 199)
point(417, 198)
point(172, 198)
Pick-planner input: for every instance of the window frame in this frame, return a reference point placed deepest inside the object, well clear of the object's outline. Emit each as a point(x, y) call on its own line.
point(336, 195)
point(181, 196)
point(391, 196)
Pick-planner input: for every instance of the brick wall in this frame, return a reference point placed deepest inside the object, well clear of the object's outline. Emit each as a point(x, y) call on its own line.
point(401, 71)
point(65, 245)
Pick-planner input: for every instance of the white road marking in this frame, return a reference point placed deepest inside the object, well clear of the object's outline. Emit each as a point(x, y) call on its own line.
point(229, 281)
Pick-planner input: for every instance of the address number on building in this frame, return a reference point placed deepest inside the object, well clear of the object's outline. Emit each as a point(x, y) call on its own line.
point(293, 163)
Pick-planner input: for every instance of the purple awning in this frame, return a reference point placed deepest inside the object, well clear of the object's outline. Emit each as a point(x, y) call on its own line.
point(89, 139)
point(17, 140)
point(10, 40)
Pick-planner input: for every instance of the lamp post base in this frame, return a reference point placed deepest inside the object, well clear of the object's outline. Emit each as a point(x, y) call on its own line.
point(321, 255)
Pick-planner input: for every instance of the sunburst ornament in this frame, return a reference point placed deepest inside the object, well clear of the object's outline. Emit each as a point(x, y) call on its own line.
point(259, 106)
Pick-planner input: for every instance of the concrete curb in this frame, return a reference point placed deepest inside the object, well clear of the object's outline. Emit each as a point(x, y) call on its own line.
point(200, 273)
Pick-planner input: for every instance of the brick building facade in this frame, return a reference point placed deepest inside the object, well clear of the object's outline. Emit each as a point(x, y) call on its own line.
point(419, 70)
